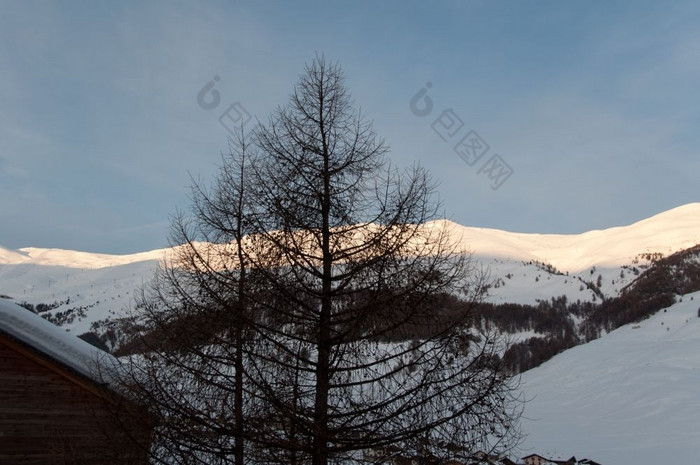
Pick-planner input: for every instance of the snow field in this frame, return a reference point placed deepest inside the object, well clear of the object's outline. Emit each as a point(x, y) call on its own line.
point(630, 397)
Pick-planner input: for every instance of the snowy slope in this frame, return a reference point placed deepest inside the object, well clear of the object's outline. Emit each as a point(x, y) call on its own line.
point(629, 398)
point(73, 259)
point(88, 287)
point(11, 257)
point(666, 233)
point(89, 295)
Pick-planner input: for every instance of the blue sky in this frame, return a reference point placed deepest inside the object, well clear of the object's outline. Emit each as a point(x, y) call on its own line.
point(592, 106)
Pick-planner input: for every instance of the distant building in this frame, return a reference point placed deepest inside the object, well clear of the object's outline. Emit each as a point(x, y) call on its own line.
point(483, 458)
point(507, 461)
point(54, 406)
point(571, 461)
point(535, 459)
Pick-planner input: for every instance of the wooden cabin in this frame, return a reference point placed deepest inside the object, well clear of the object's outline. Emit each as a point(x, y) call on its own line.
point(55, 406)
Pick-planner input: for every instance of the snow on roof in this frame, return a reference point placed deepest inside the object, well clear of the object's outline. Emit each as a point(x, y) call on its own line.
point(55, 342)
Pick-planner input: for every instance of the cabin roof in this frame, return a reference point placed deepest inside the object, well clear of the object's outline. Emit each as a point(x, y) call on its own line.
point(54, 342)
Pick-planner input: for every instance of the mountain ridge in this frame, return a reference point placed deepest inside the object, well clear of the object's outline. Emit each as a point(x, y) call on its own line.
point(81, 290)
point(666, 233)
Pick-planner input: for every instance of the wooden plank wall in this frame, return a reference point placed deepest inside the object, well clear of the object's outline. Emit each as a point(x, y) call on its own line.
point(50, 417)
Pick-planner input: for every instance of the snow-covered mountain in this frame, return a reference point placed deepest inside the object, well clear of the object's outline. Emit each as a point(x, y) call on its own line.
point(73, 259)
point(80, 288)
point(665, 233)
point(628, 397)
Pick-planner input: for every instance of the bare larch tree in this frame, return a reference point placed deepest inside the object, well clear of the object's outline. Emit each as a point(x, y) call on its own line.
point(316, 310)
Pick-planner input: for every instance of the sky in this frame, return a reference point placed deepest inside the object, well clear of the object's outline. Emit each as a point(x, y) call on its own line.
point(548, 116)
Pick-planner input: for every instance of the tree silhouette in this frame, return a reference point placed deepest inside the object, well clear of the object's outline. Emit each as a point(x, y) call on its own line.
point(307, 313)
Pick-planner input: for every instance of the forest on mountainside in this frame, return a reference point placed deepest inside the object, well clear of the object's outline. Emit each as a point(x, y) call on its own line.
point(552, 325)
